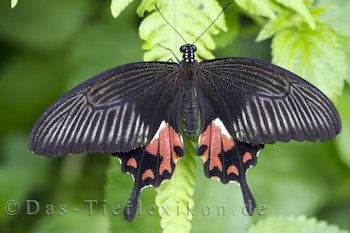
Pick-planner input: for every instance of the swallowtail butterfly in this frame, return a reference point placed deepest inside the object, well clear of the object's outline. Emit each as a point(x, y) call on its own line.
point(134, 111)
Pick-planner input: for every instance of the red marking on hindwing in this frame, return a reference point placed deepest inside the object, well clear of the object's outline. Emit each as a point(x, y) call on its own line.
point(163, 145)
point(164, 150)
point(147, 174)
point(232, 169)
point(132, 163)
point(247, 156)
point(217, 141)
point(215, 148)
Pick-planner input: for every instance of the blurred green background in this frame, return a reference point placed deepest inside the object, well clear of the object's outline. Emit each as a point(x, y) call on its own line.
point(49, 46)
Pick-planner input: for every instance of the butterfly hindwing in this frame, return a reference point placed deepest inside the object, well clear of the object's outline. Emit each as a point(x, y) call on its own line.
point(116, 111)
point(227, 159)
point(262, 103)
point(153, 163)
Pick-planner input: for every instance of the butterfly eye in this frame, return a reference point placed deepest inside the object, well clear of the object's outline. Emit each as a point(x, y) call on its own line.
point(194, 48)
point(183, 48)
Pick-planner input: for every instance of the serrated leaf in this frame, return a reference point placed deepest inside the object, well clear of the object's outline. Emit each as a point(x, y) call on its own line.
point(13, 3)
point(117, 6)
point(175, 195)
point(293, 225)
point(146, 5)
point(316, 55)
point(338, 16)
point(157, 32)
point(258, 7)
point(300, 7)
point(273, 26)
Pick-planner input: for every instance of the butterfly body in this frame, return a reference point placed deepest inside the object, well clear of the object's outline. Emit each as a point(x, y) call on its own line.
point(134, 112)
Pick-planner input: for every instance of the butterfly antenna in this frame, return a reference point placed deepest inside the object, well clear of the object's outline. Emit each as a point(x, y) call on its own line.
point(170, 24)
point(222, 11)
point(170, 51)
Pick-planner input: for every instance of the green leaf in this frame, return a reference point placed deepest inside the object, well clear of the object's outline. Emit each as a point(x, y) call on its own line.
point(273, 26)
point(146, 5)
point(293, 225)
point(258, 7)
point(338, 16)
point(288, 19)
point(157, 32)
point(316, 55)
point(300, 7)
point(175, 195)
point(13, 3)
point(117, 6)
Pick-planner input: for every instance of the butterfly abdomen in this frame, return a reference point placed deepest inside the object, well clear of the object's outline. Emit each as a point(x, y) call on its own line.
point(190, 111)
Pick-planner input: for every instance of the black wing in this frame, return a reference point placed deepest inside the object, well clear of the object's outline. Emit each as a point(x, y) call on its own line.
point(116, 111)
point(263, 103)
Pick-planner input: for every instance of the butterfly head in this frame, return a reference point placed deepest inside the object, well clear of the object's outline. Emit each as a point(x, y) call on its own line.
point(188, 51)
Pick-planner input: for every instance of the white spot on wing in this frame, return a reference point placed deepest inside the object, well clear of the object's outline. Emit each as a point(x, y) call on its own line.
point(161, 126)
point(222, 127)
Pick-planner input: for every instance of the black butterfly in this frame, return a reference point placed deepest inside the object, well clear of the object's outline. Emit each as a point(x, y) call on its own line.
point(134, 111)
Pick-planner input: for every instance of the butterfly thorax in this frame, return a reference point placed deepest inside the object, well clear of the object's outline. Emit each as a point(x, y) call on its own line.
point(188, 51)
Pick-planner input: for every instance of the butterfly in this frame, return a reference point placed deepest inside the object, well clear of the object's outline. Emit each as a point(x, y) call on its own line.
point(135, 112)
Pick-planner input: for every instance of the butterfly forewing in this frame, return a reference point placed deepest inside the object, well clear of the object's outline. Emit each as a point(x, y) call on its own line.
point(116, 111)
point(262, 103)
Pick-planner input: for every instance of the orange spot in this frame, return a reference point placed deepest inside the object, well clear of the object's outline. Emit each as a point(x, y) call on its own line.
point(152, 147)
point(228, 143)
point(232, 169)
point(205, 156)
point(247, 156)
point(132, 163)
point(215, 148)
point(148, 174)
